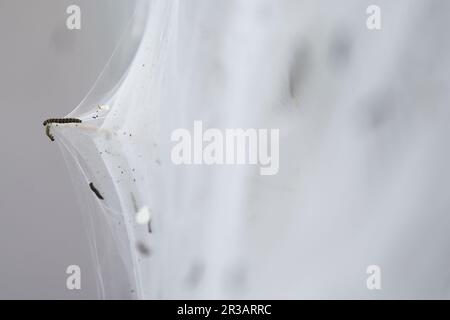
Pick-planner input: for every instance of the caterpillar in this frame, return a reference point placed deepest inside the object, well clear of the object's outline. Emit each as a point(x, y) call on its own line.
point(94, 189)
point(48, 122)
point(61, 120)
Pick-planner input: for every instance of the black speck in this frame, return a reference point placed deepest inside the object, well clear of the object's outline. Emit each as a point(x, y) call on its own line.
point(143, 248)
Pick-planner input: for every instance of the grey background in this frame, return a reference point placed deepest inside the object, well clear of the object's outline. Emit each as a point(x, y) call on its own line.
point(45, 70)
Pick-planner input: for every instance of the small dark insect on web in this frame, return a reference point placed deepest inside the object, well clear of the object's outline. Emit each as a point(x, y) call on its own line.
point(47, 123)
point(94, 189)
point(61, 120)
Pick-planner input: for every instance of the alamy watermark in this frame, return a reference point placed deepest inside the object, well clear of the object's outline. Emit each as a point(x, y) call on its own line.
point(73, 281)
point(373, 21)
point(73, 21)
point(227, 147)
point(373, 281)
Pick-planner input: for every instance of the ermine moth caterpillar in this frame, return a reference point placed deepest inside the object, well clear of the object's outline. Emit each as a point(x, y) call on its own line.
point(50, 121)
point(61, 120)
point(94, 189)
